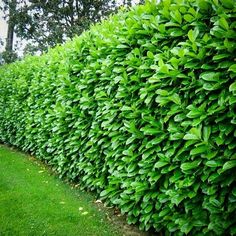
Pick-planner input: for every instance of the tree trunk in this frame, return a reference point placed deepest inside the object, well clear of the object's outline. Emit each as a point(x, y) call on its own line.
point(9, 40)
point(11, 26)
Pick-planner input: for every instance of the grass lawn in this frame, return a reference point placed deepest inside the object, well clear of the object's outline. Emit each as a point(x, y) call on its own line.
point(34, 202)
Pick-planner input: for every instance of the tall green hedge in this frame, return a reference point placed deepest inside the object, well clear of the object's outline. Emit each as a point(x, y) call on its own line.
point(141, 109)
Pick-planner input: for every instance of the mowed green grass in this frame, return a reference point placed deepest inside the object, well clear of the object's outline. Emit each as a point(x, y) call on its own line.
point(33, 202)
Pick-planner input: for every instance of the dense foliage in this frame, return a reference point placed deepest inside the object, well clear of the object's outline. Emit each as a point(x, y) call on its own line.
point(141, 108)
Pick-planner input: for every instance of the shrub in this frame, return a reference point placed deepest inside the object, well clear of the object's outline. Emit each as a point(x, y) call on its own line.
point(141, 108)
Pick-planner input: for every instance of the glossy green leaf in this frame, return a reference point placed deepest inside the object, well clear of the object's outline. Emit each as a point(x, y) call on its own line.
point(232, 87)
point(210, 76)
point(199, 150)
point(229, 165)
point(190, 165)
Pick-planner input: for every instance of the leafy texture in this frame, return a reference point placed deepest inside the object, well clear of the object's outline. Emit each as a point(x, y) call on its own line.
point(141, 108)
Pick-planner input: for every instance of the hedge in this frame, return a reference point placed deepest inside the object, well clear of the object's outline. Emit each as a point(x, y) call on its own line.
point(140, 109)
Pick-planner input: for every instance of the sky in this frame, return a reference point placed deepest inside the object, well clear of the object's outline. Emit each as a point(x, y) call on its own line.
point(3, 29)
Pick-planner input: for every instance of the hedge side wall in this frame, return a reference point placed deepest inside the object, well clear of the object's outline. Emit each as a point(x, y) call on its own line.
point(142, 109)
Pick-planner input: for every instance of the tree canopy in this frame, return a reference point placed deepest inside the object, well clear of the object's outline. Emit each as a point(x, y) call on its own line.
point(44, 23)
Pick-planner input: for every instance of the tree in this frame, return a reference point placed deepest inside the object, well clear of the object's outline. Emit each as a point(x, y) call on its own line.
point(45, 23)
point(11, 25)
point(9, 9)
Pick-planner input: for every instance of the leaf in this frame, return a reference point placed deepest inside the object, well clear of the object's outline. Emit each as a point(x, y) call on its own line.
point(186, 228)
point(122, 46)
point(190, 165)
point(162, 92)
point(136, 51)
point(190, 137)
point(223, 23)
point(176, 32)
point(164, 212)
point(147, 130)
point(210, 76)
point(233, 68)
point(213, 163)
point(104, 193)
point(232, 100)
point(206, 133)
point(228, 3)
point(150, 54)
point(175, 98)
point(211, 154)
point(232, 87)
point(162, 100)
point(194, 113)
point(193, 134)
point(192, 34)
point(160, 164)
point(177, 16)
point(229, 165)
point(203, 5)
point(188, 17)
point(148, 209)
point(209, 87)
point(220, 56)
point(176, 136)
point(199, 150)
point(234, 191)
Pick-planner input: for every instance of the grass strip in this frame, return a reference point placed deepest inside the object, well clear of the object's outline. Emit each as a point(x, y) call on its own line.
point(34, 202)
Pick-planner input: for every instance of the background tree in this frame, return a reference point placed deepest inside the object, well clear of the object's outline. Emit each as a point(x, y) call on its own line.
point(45, 23)
point(9, 9)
